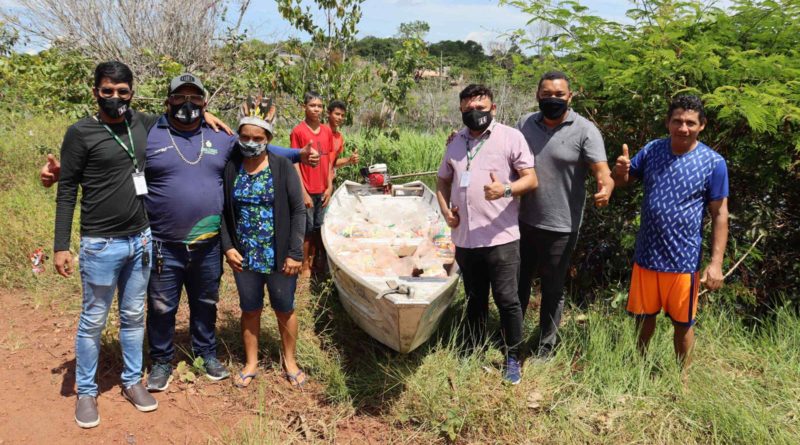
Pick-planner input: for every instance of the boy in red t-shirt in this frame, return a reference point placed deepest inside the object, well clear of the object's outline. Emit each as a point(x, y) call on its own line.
point(317, 181)
point(336, 114)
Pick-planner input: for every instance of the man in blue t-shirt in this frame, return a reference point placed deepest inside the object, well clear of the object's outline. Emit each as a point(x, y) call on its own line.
point(681, 176)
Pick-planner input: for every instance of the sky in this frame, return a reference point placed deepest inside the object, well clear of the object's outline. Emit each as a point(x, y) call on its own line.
point(479, 20)
point(483, 21)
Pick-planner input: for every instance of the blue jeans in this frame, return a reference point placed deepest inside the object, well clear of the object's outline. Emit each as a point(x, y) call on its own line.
point(251, 290)
point(109, 264)
point(197, 268)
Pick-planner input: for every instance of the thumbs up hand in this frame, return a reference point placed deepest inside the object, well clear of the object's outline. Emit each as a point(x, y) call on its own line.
point(309, 156)
point(623, 165)
point(451, 217)
point(493, 190)
point(50, 172)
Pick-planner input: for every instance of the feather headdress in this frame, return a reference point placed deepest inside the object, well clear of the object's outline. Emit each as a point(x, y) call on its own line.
point(259, 111)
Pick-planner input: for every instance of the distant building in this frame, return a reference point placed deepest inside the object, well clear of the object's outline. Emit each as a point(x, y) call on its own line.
point(425, 73)
point(290, 59)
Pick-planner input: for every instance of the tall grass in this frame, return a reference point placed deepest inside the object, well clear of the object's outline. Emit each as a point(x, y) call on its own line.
point(404, 151)
point(743, 388)
point(28, 209)
point(744, 385)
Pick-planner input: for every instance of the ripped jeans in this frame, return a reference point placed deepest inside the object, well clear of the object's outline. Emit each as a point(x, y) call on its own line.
point(106, 265)
point(198, 268)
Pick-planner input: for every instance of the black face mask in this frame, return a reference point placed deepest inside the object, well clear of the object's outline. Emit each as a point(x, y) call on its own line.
point(477, 120)
point(553, 107)
point(114, 107)
point(188, 113)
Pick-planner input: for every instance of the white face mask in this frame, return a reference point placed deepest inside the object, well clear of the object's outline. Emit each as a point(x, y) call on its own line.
point(251, 149)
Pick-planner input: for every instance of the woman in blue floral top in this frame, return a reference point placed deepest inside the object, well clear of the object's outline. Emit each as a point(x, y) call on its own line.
point(262, 237)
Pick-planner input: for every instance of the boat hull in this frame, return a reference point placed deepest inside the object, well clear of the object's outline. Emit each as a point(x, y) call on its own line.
point(398, 321)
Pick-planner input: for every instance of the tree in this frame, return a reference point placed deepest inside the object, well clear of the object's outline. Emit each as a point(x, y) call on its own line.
point(743, 62)
point(377, 48)
point(324, 65)
point(398, 76)
point(503, 52)
point(467, 54)
point(8, 38)
point(55, 81)
point(417, 29)
point(339, 29)
point(140, 32)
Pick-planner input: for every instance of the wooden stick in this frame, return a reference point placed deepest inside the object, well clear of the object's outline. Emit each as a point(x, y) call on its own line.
point(730, 271)
point(408, 175)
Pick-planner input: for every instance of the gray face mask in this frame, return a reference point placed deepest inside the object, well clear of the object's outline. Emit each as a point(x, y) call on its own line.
point(251, 149)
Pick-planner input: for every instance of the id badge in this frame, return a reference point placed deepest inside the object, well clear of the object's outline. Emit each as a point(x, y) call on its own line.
point(465, 179)
point(139, 183)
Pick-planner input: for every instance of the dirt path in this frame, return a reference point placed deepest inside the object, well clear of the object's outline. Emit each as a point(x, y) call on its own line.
point(37, 395)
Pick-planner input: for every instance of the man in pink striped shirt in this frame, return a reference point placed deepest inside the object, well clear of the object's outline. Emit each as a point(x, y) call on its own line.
point(487, 165)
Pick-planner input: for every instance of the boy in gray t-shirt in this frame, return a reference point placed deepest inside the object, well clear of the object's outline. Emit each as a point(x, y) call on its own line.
point(566, 147)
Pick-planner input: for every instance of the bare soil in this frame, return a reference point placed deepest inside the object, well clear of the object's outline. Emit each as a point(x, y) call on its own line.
point(37, 393)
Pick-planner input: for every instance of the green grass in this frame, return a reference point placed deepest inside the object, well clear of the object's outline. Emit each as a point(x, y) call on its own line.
point(744, 385)
point(28, 209)
point(403, 151)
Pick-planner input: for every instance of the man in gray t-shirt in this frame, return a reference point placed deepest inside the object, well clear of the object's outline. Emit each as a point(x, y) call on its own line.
point(566, 147)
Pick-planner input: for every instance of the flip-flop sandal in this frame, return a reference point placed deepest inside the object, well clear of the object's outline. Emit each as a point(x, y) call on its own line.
point(293, 378)
point(243, 378)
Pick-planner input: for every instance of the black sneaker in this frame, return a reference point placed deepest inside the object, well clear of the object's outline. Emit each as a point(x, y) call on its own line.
point(543, 355)
point(140, 398)
point(159, 377)
point(86, 415)
point(215, 370)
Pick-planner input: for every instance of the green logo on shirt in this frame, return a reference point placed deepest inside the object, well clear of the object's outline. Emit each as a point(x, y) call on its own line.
point(209, 149)
point(206, 228)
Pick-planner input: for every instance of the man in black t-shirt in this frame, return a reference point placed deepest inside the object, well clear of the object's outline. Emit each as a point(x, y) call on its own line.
point(104, 155)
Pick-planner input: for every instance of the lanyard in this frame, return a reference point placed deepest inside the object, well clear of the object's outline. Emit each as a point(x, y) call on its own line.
point(130, 151)
point(471, 154)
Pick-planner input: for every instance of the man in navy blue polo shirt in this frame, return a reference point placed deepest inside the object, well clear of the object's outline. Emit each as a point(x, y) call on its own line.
point(185, 161)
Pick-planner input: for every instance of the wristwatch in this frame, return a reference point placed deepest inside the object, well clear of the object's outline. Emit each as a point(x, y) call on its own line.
point(507, 191)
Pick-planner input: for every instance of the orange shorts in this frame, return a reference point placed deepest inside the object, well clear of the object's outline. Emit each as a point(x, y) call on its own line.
point(652, 291)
